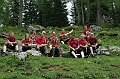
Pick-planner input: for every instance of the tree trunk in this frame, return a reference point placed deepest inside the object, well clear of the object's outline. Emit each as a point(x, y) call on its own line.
point(20, 13)
point(78, 12)
point(99, 16)
point(88, 13)
point(83, 22)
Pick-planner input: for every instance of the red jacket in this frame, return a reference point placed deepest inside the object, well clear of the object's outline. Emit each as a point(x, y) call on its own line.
point(46, 38)
point(11, 39)
point(53, 36)
point(82, 42)
point(26, 42)
point(62, 33)
point(92, 41)
point(54, 44)
point(85, 31)
point(73, 43)
point(34, 38)
point(40, 41)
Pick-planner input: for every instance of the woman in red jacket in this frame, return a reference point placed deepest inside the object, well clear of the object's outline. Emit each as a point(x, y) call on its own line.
point(26, 43)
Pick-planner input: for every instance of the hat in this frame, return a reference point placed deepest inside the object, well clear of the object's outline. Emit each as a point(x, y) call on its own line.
point(43, 32)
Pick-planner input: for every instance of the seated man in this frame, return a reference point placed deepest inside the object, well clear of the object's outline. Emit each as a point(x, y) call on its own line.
point(10, 42)
point(83, 48)
point(73, 45)
point(63, 37)
point(55, 47)
point(86, 30)
point(41, 44)
point(92, 42)
point(26, 43)
point(53, 35)
point(44, 36)
point(34, 37)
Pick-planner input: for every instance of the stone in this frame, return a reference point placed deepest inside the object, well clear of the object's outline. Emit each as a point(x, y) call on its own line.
point(94, 27)
point(40, 27)
point(34, 52)
point(21, 55)
point(30, 29)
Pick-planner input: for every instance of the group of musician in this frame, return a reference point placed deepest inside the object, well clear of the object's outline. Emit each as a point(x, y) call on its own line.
point(83, 47)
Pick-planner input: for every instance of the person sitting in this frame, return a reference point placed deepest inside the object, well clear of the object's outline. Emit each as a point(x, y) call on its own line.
point(41, 44)
point(63, 37)
point(83, 48)
point(87, 36)
point(55, 47)
point(86, 31)
point(53, 35)
point(10, 42)
point(44, 36)
point(73, 44)
point(26, 43)
point(34, 37)
point(92, 42)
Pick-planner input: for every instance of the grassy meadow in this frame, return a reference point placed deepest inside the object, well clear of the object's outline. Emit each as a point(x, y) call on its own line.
point(98, 67)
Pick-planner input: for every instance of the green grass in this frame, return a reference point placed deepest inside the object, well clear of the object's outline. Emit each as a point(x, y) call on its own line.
point(99, 67)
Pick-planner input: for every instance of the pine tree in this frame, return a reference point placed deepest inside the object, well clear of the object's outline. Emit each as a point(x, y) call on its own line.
point(55, 14)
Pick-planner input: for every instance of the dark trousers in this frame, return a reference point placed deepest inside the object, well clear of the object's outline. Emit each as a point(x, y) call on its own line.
point(86, 50)
point(42, 50)
point(25, 48)
point(55, 51)
point(11, 47)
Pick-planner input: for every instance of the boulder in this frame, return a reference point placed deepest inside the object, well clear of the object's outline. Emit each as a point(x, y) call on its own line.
point(34, 52)
point(21, 55)
point(40, 27)
point(30, 29)
point(94, 27)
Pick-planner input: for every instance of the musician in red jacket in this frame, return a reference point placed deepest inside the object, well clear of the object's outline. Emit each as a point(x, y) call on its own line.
point(45, 36)
point(73, 44)
point(41, 44)
point(26, 43)
point(86, 30)
point(83, 47)
point(53, 35)
point(34, 37)
point(93, 43)
point(55, 47)
point(10, 42)
point(63, 37)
